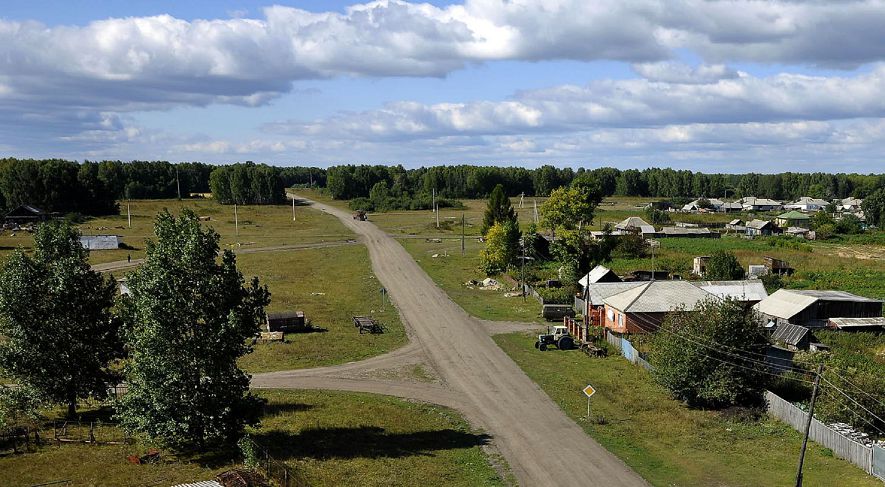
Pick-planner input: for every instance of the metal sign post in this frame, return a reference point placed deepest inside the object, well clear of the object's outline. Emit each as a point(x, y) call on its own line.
point(589, 391)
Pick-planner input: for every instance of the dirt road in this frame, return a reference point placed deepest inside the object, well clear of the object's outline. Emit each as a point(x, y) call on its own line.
point(542, 445)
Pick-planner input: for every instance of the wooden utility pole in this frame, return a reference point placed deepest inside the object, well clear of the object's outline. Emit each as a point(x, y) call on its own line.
point(129, 211)
point(522, 278)
point(820, 369)
point(236, 221)
point(462, 234)
point(437, 216)
point(178, 183)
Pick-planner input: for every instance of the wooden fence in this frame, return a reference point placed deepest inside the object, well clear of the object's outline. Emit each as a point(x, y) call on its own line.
point(842, 446)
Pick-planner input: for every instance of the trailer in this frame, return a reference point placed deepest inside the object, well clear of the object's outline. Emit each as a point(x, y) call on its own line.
point(585, 339)
point(366, 324)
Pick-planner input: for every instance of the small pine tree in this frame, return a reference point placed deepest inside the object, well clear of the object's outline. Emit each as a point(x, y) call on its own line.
point(187, 322)
point(498, 210)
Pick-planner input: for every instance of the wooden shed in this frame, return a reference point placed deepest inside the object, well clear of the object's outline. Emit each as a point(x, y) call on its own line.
point(286, 321)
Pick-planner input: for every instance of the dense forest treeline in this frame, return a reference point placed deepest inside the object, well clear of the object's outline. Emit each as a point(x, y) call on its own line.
point(346, 182)
point(95, 187)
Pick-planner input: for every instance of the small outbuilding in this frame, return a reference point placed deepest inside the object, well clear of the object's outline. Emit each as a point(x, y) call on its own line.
point(792, 337)
point(600, 273)
point(814, 309)
point(25, 214)
point(286, 321)
point(874, 324)
point(100, 242)
point(758, 227)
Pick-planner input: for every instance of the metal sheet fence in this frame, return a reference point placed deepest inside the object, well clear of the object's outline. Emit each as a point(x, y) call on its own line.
point(627, 350)
point(878, 462)
point(842, 446)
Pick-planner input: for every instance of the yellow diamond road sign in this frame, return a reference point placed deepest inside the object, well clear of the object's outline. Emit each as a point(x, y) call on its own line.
point(589, 390)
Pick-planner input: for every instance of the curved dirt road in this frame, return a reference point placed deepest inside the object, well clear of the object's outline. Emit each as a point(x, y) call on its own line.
point(541, 444)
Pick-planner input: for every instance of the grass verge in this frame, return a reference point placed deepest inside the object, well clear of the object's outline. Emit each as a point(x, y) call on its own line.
point(330, 285)
point(450, 270)
point(332, 438)
point(667, 443)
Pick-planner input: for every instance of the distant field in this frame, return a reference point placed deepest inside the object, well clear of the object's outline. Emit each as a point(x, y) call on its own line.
point(665, 442)
point(332, 438)
point(259, 225)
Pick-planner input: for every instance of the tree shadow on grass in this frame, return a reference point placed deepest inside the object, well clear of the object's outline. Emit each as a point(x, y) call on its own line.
point(273, 409)
point(364, 442)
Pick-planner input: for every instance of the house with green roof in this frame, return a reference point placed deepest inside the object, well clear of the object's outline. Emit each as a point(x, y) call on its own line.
point(793, 219)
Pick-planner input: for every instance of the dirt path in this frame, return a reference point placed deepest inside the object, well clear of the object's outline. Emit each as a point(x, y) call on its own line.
point(118, 265)
point(542, 445)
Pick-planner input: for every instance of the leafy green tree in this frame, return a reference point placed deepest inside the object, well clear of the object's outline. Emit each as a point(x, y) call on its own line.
point(502, 248)
point(187, 322)
point(20, 406)
point(498, 209)
point(55, 315)
point(656, 216)
point(822, 218)
point(724, 266)
point(849, 225)
point(704, 357)
point(873, 207)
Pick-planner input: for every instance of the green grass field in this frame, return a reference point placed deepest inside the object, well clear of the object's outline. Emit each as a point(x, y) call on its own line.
point(331, 438)
point(450, 270)
point(665, 442)
point(330, 285)
point(259, 226)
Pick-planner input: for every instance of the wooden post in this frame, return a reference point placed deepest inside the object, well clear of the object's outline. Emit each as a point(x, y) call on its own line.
point(820, 369)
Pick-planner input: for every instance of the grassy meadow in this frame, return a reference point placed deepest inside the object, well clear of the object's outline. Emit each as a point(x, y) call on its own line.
point(330, 285)
point(667, 443)
point(331, 438)
point(259, 226)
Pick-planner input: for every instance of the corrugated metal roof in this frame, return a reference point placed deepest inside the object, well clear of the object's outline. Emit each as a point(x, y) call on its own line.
point(602, 290)
point(829, 295)
point(633, 222)
point(758, 224)
point(790, 334)
point(595, 275)
point(784, 304)
point(841, 323)
point(100, 242)
point(684, 231)
point(739, 289)
point(659, 297)
point(204, 483)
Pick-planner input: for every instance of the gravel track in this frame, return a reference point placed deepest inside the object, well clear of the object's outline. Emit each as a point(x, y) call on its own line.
point(542, 445)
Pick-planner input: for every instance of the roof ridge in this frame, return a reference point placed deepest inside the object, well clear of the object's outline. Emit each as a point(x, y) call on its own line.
point(647, 285)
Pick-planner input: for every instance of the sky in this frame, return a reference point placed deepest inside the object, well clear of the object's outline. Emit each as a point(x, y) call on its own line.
point(707, 85)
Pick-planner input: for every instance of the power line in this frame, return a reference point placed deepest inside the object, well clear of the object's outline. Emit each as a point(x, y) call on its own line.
point(854, 401)
point(857, 387)
point(767, 365)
